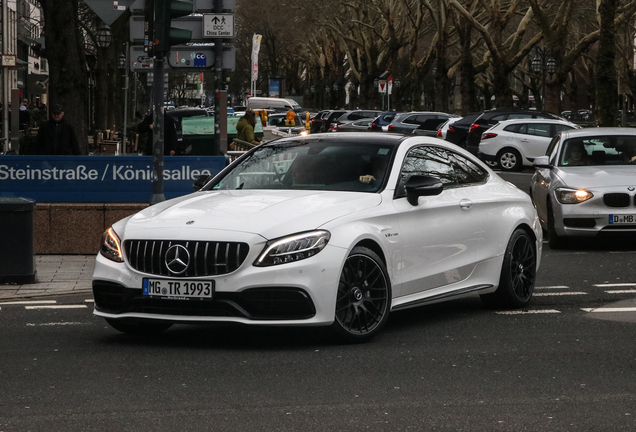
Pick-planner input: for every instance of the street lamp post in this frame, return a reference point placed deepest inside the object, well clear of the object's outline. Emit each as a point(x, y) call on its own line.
point(123, 63)
point(543, 63)
point(104, 37)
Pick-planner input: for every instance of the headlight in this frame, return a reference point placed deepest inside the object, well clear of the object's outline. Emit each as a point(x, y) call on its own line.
point(572, 196)
point(293, 248)
point(111, 246)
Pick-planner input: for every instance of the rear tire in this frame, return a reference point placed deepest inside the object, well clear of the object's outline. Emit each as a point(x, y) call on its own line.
point(509, 160)
point(363, 300)
point(518, 273)
point(138, 327)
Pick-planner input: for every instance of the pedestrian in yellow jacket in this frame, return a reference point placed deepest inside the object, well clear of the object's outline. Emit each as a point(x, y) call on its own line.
point(245, 128)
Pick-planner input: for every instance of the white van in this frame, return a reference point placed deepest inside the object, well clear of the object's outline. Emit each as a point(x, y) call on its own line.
point(276, 104)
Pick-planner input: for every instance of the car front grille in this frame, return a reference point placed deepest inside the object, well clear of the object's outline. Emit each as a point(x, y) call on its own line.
point(266, 303)
point(616, 199)
point(205, 258)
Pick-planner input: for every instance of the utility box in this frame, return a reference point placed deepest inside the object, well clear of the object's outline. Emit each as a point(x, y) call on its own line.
point(17, 261)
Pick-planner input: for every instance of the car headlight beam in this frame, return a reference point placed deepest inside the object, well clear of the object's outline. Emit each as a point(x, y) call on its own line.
point(293, 248)
point(111, 246)
point(572, 196)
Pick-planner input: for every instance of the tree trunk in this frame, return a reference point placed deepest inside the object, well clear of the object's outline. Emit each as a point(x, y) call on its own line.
point(606, 80)
point(67, 64)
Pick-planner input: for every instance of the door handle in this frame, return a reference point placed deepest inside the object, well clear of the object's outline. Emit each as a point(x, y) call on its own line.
point(465, 204)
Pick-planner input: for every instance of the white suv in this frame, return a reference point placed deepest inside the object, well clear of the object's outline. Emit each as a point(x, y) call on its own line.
point(511, 144)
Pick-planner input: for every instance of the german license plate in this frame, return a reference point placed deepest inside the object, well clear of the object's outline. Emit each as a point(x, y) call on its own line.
point(622, 219)
point(178, 289)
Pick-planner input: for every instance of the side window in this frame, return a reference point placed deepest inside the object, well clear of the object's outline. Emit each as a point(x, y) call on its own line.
point(355, 116)
point(539, 129)
point(466, 171)
point(558, 128)
point(411, 120)
point(517, 128)
point(519, 116)
point(497, 118)
point(430, 161)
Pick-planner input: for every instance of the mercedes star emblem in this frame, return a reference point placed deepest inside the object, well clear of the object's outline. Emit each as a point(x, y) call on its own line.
point(177, 259)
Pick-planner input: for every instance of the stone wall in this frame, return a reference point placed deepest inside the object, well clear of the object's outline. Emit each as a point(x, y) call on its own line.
point(75, 229)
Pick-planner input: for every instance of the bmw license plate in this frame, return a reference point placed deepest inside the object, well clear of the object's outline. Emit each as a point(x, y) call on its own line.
point(178, 289)
point(622, 219)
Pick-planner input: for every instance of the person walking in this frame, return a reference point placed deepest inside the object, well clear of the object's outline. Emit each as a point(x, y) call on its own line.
point(56, 136)
point(245, 128)
point(170, 147)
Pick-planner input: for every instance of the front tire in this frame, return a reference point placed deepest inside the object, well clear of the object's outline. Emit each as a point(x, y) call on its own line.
point(138, 327)
point(363, 300)
point(509, 160)
point(518, 273)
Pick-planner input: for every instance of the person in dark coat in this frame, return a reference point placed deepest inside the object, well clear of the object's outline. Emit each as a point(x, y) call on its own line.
point(55, 136)
point(169, 135)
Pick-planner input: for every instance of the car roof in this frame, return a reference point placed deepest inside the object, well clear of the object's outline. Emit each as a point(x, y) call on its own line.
point(349, 137)
point(534, 120)
point(594, 131)
point(492, 113)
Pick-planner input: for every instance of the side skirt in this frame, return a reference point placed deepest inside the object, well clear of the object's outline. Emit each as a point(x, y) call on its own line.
point(443, 296)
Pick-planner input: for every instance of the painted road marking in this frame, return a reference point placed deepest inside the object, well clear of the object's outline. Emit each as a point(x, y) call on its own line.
point(553, 287)
point(623, 309)
point(559, 294)
point(621, 291)
point(528, 312)
point(25, 302)
point(57, 307)
point(616, 285)
point(55, 324)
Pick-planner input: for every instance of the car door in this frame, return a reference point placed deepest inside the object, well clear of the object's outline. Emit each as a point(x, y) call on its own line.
point(542, 180)
point(537, 139)
point(440, 235)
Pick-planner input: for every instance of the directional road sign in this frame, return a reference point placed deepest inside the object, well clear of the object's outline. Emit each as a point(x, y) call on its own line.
point(218, 26)
point(183, 59)
point(109, 10)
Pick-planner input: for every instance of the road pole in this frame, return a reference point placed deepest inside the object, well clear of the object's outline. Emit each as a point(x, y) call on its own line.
point(218, 82)
point(125, 100)
point(157, 131)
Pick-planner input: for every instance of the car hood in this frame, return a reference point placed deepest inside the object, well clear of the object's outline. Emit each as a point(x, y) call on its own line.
point(599, 176)
point(270, 214)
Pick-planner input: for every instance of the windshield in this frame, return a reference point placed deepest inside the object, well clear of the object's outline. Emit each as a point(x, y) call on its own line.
point(332, 166)
point(598, 150)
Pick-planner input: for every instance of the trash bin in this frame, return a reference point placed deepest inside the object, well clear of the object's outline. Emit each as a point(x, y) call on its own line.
point(17, 261)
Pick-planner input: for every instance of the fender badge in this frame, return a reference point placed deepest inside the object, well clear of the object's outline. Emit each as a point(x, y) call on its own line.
point(189, 222)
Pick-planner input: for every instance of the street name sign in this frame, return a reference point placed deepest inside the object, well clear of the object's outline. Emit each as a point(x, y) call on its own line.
point(218, 26)
point(183, 59)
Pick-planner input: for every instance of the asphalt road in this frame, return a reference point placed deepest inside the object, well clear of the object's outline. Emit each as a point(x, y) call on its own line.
point(567, 363)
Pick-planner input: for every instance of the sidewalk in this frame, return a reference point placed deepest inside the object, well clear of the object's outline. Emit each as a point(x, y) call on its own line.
point(55, 274)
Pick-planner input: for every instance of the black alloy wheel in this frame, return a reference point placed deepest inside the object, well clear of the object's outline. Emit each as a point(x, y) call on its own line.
point(364, 297)
point(518, 273)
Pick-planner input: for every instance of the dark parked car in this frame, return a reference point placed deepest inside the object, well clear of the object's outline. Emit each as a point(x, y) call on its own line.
point(430, 127)
point(490, 118)
point(316, 121)
point(405, 123)
point(329, 118)
point(383, 121)
point(458, 131)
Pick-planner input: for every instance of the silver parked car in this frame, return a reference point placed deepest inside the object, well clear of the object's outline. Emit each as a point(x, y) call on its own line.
point(586, 183)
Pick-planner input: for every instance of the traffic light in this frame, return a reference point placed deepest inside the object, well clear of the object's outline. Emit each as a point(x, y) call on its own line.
point(165, 35)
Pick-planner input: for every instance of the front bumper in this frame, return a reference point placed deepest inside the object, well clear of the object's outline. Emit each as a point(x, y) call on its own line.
point(300, 293)
point(589, 219)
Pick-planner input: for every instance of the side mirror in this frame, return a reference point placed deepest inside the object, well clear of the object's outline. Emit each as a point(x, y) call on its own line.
point(418, 186)
point(200, 182)
point(542, 162)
